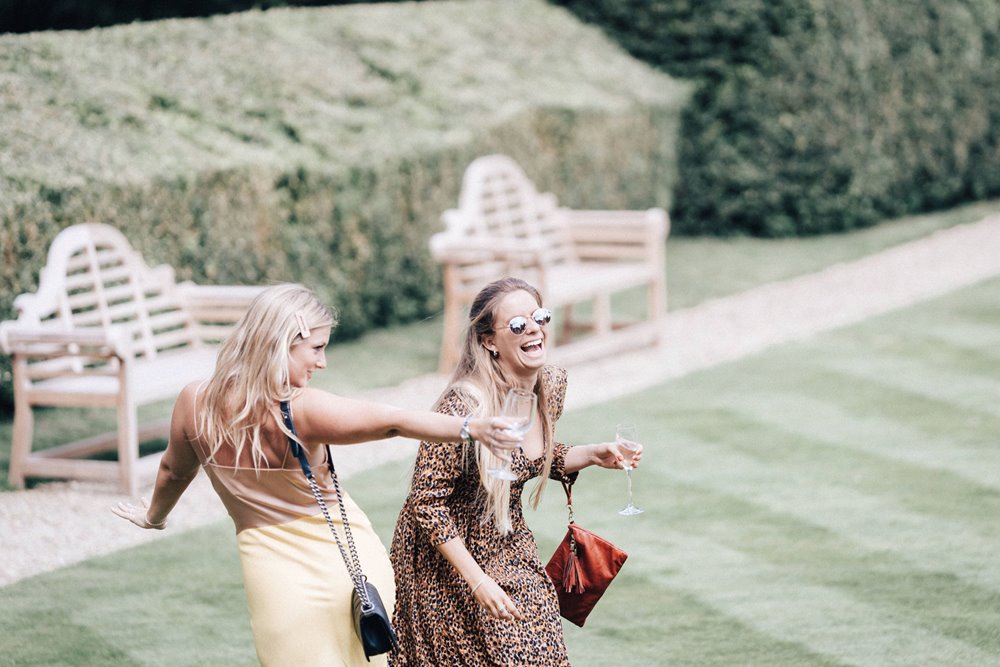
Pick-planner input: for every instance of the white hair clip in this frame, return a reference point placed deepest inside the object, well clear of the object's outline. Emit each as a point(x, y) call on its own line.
point(303, 327)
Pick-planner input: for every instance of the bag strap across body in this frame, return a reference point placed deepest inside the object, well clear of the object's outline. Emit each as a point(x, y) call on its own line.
point(352, 562)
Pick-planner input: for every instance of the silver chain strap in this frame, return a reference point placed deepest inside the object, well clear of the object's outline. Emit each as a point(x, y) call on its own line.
point(353, 563)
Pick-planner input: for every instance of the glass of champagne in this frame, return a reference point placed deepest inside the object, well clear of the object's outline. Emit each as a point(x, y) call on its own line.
point(518, 409)
point(625, 436)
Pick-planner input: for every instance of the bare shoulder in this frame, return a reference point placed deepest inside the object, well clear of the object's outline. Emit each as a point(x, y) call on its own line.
point(190, 391)
point(185, 403)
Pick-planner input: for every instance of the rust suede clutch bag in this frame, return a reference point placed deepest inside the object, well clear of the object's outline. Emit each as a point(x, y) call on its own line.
point(582, 568)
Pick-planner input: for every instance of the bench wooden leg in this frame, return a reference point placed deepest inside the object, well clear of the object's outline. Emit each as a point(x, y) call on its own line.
point(128, 446)
point(602, 314)
point(568, 325)
point(24, 427)
point(451, 337)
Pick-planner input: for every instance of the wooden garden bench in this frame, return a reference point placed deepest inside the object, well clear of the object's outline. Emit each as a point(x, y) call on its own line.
point(504, 227)
point(106, 330)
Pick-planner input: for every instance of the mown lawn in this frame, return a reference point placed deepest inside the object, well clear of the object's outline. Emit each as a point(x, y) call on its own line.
point(827, 502)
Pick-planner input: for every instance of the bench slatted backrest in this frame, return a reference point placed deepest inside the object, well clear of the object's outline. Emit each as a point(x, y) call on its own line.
point(93, 278)
point(499, 201)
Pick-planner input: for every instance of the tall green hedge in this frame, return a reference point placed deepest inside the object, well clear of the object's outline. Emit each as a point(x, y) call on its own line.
point(822, 115)
point(317, 145)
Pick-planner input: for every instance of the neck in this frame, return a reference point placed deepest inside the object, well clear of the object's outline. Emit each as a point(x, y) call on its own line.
point(526, 382)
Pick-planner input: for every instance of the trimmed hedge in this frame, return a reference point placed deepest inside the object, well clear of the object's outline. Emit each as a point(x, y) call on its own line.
point(83, 14)
point(814, 116)
point(316, 145)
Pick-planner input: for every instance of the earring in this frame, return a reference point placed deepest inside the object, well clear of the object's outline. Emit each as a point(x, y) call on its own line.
point(495, 354)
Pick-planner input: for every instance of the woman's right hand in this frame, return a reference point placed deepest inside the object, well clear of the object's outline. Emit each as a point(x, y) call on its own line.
point(495, 601)
point(492, 432)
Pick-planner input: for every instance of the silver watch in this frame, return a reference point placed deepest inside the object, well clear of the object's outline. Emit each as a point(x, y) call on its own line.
point(464, 433)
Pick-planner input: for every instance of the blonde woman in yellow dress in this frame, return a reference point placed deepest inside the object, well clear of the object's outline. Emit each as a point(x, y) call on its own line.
point(297, 585)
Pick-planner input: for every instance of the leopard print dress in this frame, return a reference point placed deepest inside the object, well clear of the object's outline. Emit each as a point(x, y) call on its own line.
point(437, 620)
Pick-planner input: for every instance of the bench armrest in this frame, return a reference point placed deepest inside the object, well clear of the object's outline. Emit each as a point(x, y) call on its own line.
point(49, 342)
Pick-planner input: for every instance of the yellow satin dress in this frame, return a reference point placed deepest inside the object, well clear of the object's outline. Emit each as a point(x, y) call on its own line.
point(297, 586)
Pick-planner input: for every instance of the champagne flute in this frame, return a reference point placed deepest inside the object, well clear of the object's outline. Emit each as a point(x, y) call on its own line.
point(625, 436)
point(518, 409)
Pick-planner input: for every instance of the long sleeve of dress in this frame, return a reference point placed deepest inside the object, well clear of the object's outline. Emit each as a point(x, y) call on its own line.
point(437, 468)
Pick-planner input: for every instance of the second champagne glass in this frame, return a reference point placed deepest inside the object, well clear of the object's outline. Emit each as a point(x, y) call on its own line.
point(625, 436)
point(518, 409)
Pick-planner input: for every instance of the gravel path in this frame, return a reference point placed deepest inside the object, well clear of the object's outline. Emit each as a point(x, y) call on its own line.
point(58, 524)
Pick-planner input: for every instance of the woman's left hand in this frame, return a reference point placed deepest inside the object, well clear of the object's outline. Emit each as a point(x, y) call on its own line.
point(137, 515)
point(610, 455)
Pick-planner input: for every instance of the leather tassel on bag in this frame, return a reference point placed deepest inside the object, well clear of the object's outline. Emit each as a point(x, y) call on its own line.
point(572, 576)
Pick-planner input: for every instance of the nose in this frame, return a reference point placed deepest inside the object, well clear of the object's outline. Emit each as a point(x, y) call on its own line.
point(321, 362)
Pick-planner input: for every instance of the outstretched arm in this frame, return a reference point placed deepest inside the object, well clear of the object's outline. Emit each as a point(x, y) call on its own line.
point(604, 454)
point(321, 417)
point(178, 466)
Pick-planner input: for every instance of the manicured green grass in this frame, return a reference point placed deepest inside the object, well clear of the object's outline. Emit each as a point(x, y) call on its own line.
point(697, 269)
point(827, 502)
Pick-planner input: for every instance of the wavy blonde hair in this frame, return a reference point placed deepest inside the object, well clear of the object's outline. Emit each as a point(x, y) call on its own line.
point(251, 372)
point(481, 383)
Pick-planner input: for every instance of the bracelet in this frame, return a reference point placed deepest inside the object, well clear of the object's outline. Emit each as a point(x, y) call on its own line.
point(464, 432)
point(159, 525)
point(478, 584)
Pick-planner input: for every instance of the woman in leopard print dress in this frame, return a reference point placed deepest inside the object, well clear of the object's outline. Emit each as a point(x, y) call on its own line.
point(470, 587)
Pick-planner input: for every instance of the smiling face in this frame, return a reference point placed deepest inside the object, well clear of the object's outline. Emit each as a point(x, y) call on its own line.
point(520, 355)
point(307, 356)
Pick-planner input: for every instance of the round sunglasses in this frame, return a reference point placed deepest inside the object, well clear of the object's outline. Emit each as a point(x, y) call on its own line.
point(518, 325)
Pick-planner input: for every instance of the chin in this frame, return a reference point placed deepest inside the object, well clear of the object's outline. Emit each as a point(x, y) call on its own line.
point(534, 364)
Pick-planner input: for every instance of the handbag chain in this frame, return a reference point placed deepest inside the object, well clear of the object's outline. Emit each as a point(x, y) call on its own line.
point(568, 488)
point(353, 563)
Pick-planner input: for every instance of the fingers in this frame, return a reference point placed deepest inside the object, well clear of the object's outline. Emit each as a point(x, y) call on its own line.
point(130, 512)
point(136, 515)
point(495, 601)
point(121, 509)
point(497, 438)
point(512, 612)
point(507, 612)
point(501, 434)
point(505, 609)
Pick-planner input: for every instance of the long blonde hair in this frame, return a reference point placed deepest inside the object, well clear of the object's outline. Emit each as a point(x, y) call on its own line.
point(251, 372)
point(481, 383)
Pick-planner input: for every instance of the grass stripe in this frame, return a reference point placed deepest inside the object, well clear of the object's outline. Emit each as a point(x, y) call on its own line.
point(972, 391)
point(933, 493)
point(879, 435)
point(876, 522)
point(172, 603)
point(800, 369)
point(827, 620)
point(937, 600)
point(643, 621)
